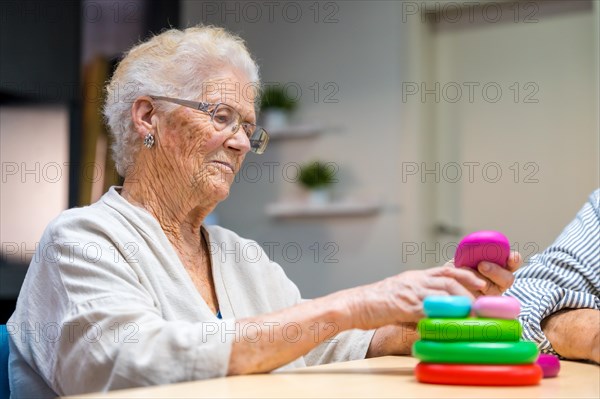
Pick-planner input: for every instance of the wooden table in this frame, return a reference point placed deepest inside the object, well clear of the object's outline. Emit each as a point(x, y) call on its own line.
point(384, 377)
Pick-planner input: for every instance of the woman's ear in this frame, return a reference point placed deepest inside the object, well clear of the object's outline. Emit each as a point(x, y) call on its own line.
point(142, 111)
point(154, 122)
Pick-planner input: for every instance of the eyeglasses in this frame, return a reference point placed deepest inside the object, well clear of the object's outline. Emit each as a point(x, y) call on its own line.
point(226, 118)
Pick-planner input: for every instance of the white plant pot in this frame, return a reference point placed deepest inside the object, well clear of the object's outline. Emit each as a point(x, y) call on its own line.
point(319, 196)
point(275, 118)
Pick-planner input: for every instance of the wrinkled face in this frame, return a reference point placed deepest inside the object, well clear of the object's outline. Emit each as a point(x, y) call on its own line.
point(202, 160)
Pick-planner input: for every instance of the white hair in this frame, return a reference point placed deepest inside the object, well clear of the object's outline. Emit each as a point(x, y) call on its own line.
point(174, 63)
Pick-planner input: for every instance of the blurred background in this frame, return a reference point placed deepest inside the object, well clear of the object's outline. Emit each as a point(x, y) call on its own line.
point(425, 120)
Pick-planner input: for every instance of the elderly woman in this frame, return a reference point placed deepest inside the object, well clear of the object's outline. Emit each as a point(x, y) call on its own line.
point(134, 290)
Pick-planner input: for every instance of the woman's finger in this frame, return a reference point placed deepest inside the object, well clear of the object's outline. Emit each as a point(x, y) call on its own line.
point(454, 287)
point(466, 279)
point(499, 276)
point(489, 287)
point(515, 261)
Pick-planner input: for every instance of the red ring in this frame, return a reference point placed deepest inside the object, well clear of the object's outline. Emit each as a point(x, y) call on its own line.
point(475, 374)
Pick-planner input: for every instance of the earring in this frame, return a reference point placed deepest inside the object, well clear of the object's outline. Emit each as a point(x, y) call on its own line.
point(149, 140)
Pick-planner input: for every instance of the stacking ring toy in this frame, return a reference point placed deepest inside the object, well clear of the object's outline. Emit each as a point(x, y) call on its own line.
point(550, 365)
point(497, 307)
point(482, 330)
point(476, 352)
point(447, 306)
point(487, 245)
point(468, 374)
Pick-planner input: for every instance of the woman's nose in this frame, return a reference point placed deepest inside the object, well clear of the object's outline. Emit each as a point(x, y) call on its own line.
point(238, 141)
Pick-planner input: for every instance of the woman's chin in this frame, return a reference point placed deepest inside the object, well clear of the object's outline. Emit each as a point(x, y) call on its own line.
point(219, 191)
point(222, 195)
point(216, 186)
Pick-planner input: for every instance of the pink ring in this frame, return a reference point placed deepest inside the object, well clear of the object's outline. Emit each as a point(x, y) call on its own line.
point(497, 307)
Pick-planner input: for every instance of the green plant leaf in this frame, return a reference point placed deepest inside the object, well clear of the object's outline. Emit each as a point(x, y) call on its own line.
point(276, 97)
point(316, 175)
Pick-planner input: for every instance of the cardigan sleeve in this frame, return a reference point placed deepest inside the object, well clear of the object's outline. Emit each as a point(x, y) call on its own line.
point(347, 345)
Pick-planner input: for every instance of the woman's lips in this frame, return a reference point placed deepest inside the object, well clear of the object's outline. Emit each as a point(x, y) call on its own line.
point(224, 165)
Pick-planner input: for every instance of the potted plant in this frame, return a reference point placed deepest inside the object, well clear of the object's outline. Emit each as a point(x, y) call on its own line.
point(276, 107)
point(317, 177)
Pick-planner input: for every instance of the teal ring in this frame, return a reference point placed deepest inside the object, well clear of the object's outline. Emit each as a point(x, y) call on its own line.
point(447, 306)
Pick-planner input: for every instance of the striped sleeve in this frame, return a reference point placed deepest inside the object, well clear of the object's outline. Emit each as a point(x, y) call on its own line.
point(565, 276)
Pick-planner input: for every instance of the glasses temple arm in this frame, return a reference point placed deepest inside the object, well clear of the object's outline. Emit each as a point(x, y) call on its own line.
point(200, 106)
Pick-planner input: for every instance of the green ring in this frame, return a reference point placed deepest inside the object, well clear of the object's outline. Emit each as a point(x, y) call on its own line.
point(521, 352)
point(470, 329)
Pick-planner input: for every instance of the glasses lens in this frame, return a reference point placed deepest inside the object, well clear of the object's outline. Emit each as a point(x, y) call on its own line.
point(225, 117)
point(259, 140)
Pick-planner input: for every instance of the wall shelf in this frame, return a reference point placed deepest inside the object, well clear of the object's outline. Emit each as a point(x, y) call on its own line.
point(305, 209)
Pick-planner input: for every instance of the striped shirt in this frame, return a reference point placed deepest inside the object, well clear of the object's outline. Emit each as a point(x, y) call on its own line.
point(565, 276)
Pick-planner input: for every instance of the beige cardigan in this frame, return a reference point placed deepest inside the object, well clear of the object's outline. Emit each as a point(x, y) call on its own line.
point(107, 304)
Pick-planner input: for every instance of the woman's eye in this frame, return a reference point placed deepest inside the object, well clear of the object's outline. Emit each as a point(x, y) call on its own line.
point(223, 115)
point(221, 118)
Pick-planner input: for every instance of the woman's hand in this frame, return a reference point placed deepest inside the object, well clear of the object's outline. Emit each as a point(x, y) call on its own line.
point(399, 299)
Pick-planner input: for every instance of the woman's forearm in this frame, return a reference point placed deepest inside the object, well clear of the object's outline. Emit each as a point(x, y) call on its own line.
point(267, 342)
point(393, 340)
point(574, 333)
